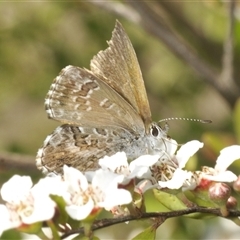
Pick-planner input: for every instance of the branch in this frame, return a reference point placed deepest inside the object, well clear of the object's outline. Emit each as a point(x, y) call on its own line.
point(147, 15)
point(226, 79)
point(118, 9)
point(11, 161)
point(99, 224)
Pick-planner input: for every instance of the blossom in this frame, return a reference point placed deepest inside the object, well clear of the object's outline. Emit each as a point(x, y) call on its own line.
point(84, 198)
point(105, 185)
point(118, 164)
point(24, 203)
point(169, 172)
point(220, 173)
point(162, 170)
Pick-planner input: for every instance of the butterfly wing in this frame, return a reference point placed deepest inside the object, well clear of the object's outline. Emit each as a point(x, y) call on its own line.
point(78, 97)
point(80, 147)
point(118, 67)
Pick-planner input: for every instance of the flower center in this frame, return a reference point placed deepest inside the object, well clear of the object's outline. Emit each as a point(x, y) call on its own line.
point(164, 169)
point(96, 194)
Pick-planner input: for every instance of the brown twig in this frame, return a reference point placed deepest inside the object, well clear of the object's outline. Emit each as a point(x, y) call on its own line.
point(103, 223)
point(226, 79)
point(11, 161)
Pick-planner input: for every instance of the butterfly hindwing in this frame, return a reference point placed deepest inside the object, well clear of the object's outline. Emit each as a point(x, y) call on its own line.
point(80, 147)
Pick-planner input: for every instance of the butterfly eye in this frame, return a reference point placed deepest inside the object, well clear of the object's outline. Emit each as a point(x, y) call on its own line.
point(154, 131)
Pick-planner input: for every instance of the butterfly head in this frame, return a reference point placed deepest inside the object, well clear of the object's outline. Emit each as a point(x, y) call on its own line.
point(157, 138)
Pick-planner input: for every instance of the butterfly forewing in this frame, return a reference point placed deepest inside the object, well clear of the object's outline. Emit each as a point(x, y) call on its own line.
point(118, 67)
point(80, 98)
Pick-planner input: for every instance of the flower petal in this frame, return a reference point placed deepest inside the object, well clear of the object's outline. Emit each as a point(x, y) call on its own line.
point(105, 185)
point(5, 220)
point(104, 179)
point(144, 160)
point(117, 160)
point(38, 215)
point(114, 198)
point(140, 166)
point(186, 151)
point(227, 156)
point(74, 177)
point(80, 212)
point(177, 180)
point(49, 185)
point(226, 176)
point(16, 188)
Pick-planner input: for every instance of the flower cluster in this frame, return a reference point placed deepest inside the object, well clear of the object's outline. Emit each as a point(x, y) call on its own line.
point(115, 185)
point(27, 204)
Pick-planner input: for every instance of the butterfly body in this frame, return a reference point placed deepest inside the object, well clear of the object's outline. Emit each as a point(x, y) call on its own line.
point(103, 110)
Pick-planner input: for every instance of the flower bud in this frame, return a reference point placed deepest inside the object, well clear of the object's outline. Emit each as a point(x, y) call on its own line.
point(219, 193)
point(232, 203)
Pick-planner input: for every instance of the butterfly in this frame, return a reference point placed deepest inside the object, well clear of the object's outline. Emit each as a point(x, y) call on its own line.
point(103, 110)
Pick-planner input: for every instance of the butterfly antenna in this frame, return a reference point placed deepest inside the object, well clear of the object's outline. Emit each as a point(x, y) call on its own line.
point(185, 119)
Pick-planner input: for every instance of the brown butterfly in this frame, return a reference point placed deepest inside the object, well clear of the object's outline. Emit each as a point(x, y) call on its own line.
point(103, 110)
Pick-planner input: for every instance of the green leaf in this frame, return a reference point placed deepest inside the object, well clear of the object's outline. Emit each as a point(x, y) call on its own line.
point(62, 217)
point(138, 201)
point(85, 238)
point(31, 228)
point(174, 202)
point(200, 198)
point(170, 201)
point(148, 234)
point(11, 234)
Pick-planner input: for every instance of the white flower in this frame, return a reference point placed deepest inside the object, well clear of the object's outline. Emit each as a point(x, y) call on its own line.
point(106, 191)
point(220, 174)
point(169, 169)
point(164, 170)
point(118, 164)
point(103, 192)
point(24, 204)
point(79, 203)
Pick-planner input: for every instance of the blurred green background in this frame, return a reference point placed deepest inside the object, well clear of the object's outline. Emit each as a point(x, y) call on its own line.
point(38, 39)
